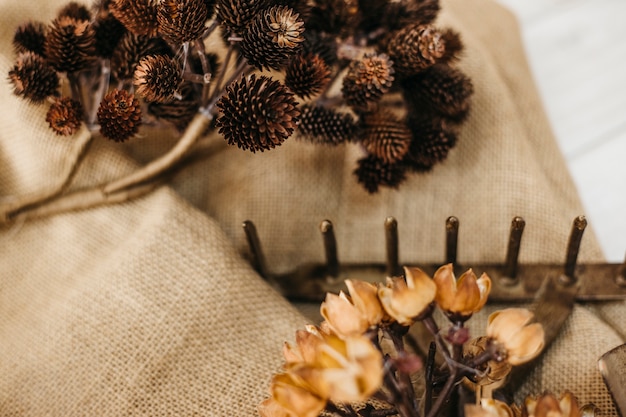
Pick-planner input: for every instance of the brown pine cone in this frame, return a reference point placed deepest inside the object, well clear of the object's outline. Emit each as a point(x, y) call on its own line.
point(33, 78)
point(138, 16)
point(129, 52)
point(70, 44)
point(432, 141)
point(30, 37)
point(373, 173)
point(307, 75)
point(157, 78)
point(325, 126)
point(75, 11)
point(234, 15)
point(416, 47)
point(367, 80)
point(65, 116)
point(109, 32)
point(440, 89)
point(182, 21)
point(257, 113)
point(272, 38)
point(119, 115)
point(384, 136)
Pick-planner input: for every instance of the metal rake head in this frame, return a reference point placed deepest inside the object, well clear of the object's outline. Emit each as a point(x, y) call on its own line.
point(511, 281)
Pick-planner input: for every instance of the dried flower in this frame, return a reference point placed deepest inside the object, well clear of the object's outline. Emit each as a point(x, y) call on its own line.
point(367, 80)
point(416, 47)
point(307, 75)
point(130, 50)
point(64, 116)
point(372, 172)
point(157, 78)
point(257, 113)
point(320, 124)
point(547, 405)
point(405, 298)
point(364, 296)
point(510, 328)
point(182, 21)
point(33, 78)
point(138, 16)
point(384, 136)
point(119, 115)
point(440, 89)
point(351, 369)
point(342, 316)
point(291, 392)
point(460, 299)
point(352, 316)
point(70, 44)
point(489, 408)
point(493, 372)
point(272, 38)
point(307, 343)
point(30, 37)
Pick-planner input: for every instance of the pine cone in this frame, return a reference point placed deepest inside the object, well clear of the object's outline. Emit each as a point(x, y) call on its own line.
point(432, 141)
point(76, 11)
point(321, 44)
point(31, 37)
point(272, 38)
point(385, 137)
point(257, 113)
point(182, 21)
point(307, 75)
point(415, 48)
point(336, 17)
point(64, 116)
point(325, 126)
point(440, 89)
point(373, 172)
point(236, 14)
point(109, 32)
point(129, 52)
point(181, 111)
point(70, 44)
point(367, 80)
point(119, 115)
point(157, 78)
point(138, 16)
point(33, 78)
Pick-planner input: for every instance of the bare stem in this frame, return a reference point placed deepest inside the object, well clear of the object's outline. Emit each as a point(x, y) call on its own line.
point(82, 143)
point(193, 132)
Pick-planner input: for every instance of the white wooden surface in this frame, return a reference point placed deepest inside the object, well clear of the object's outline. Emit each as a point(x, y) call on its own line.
point(577, 51)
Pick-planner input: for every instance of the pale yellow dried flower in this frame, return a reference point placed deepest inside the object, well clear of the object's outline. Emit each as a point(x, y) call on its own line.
point(293, 394)
point(547, 405)
point(343, 318)
point(511, 329)
point(489, 408)
point(461, 298)
point(406, 298)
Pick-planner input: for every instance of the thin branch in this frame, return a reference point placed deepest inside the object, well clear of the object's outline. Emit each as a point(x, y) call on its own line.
point(82, 143)
point(192, 134)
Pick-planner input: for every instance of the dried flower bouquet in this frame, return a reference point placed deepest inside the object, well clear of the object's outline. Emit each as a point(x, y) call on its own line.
point(362, 359)
point(379, 74)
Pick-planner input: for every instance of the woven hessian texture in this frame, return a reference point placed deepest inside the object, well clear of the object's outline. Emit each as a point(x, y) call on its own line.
point(147, 309)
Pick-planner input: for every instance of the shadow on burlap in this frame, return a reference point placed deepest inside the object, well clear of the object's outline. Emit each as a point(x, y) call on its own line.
point(147, 308)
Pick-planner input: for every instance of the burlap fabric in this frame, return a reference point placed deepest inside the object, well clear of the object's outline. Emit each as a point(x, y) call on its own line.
point(146, 308)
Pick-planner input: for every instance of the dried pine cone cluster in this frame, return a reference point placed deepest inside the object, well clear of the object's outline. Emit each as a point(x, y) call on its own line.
point(124, 62)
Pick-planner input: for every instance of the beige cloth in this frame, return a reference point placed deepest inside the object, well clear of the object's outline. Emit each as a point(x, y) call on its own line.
point(146, 308)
